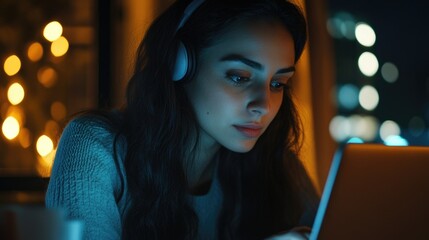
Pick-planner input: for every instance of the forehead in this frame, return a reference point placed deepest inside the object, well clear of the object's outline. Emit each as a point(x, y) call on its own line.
point(261, 41)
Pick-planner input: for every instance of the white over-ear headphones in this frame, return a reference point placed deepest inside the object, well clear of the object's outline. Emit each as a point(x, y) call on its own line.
point(185, 58)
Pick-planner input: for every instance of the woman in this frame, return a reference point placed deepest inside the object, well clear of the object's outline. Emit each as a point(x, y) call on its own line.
point(207, 144)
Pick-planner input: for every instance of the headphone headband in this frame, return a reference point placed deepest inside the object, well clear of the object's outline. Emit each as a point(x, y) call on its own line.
point(184, 57)
point(188, 12)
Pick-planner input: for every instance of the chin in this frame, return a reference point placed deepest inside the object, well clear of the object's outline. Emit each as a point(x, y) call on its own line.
point(242, 147)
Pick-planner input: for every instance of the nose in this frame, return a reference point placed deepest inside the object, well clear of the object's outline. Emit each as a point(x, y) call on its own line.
point(259, 100)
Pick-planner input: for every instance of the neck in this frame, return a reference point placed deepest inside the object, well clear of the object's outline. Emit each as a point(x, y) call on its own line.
point(201, 169)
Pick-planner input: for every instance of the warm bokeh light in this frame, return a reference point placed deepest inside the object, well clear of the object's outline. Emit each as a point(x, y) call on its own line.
point(368, 64)
point(52, 128)
point(24, 138)
point(53, 31)
point(58, 111)
point(12, 65)
point(365, 35)
point(60, 47)
point(44, 145)
point(368, 97)
point(389, 128)
point(15, 93)
point(35, 52)
point(47, 76)
point(389, 72)
point(10, 128)
point(16, 112)
point(44, 164)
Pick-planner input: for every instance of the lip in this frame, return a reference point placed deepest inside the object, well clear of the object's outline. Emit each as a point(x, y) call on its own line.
point(249, 130)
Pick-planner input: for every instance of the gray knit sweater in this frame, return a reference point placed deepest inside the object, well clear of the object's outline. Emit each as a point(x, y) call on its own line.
point(90, 185)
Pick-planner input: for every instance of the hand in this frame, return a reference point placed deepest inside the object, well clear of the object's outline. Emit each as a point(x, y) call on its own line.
point(297, 233)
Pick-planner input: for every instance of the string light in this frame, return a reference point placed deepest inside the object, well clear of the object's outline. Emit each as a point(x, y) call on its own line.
point(60, 47)
point(15, 93)
point(16, 99)
point(12, 65)
point(10, 128)
point(53, 31)
point(35, 52)
point(47, 76)
point(44, 145)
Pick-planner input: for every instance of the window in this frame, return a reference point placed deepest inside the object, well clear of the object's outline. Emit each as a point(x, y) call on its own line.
point(382, 77)
point(48, 72)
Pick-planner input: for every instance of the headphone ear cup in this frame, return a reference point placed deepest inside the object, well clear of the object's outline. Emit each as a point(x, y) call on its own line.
point(185, 62)
point(181, 65)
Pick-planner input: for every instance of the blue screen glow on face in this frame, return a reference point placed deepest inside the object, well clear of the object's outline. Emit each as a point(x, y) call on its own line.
point(238, 88)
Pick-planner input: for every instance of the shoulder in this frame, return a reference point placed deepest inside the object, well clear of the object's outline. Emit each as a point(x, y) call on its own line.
point(89, 126)
point(89, 145)
point(89, 129)
point(87, 175)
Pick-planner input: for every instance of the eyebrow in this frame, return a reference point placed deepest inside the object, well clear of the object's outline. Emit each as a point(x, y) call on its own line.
point(253, 64)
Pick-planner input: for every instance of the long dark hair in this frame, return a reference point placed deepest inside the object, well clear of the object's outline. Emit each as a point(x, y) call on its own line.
point(265, 190)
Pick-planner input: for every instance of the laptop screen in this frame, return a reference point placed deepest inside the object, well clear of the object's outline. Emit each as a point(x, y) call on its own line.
point(375, 191)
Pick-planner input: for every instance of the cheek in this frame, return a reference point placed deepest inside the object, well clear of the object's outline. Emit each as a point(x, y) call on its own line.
point(276, 102)
point(220, 104)
point(211, 101)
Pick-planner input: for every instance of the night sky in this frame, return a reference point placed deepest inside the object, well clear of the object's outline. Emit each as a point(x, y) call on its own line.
point(402, 34)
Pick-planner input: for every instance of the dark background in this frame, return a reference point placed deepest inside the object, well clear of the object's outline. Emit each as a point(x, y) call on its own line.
point(402, 34)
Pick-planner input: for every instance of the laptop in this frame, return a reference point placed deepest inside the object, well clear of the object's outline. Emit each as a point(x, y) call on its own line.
point(375, 191)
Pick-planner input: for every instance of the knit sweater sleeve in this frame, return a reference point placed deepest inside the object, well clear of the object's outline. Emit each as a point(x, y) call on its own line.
point(85, 179)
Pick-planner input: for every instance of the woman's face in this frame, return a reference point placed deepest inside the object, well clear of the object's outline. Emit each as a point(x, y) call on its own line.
point(238, 88)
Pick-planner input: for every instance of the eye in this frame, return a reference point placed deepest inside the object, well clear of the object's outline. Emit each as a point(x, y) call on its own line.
point(278, 86)
point(237, 78)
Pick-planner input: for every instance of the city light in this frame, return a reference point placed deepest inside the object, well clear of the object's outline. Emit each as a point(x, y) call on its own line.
point(368, 97)
point(389, 72)
point(344, 128)
point(389, 128)
point(416, 126)
point(365, 35)
point(368, 64)
point(395, 140)
point(348, 96)
point(342, 25)
point(340, 128)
